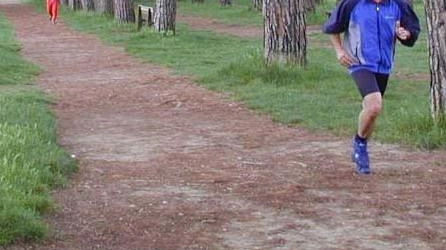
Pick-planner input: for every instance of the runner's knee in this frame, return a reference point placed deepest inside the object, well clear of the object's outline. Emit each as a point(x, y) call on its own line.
point(372, 104)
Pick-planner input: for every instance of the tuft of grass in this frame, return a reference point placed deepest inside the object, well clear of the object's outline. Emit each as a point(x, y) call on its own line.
point(31, 162)
point(414, 126)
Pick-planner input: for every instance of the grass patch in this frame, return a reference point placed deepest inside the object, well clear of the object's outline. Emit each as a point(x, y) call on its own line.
point(13, 69)
point(31, 163)
point(201, 52)
point(319, 16)
point(320, 97)
point(240, 12)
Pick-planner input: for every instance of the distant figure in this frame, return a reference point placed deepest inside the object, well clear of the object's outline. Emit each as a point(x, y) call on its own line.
point(53, 9)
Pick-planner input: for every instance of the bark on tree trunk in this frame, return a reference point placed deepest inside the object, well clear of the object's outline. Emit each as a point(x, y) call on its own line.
point(436, 26)
point(165, 14)
point(87, 5)
point(257, 4)
point(104, 6)
point(285, 39)
point(124, 12)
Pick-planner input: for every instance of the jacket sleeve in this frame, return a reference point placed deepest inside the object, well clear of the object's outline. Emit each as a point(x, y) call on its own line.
point(339, 18)
point(409, 21)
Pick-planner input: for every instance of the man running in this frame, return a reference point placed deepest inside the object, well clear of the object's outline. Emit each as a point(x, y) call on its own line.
point(371, 28)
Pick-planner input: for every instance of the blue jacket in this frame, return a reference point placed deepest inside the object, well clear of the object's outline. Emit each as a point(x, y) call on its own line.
point(369, 31)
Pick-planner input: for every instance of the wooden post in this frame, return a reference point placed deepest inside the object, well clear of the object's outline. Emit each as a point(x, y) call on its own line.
point(150, 16)
point(138, 18)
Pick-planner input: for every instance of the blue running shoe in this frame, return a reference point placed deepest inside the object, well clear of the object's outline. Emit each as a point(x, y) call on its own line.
point(360, 156)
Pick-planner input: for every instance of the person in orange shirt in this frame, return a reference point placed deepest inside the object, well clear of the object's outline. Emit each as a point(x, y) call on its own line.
point(53, 9)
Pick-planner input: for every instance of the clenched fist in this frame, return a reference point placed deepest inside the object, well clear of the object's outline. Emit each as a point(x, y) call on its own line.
point(401, 32)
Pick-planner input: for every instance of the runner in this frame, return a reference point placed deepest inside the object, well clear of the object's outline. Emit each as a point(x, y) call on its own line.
point(370, 29)
point(53, 9)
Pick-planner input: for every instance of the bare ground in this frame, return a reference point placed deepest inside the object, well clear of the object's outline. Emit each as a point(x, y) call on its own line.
point(166, 164)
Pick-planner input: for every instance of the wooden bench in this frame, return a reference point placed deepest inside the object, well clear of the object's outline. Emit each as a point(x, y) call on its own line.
point(144, 15)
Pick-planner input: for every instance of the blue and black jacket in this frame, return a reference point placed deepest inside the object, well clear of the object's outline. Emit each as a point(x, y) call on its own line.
point(369, 31)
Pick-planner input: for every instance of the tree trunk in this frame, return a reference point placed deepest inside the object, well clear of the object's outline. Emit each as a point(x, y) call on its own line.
point(87, 5)
point(225, 2)
point(285, 39)
point(64, 2)
point(257, 4)
point(124, 12)
point(436, 26)
point(104, 6)
point(165, 14)
point(74, 4)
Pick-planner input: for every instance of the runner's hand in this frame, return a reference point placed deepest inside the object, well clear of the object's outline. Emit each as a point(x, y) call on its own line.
point(344, 59)
point(401, 32)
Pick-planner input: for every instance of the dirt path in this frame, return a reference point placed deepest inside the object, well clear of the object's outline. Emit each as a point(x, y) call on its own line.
point(168, 165)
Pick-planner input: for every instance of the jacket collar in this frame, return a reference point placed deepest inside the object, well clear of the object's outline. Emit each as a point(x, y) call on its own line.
point(382, 1)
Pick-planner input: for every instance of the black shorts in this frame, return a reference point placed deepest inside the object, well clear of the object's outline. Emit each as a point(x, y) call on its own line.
point(369, 82)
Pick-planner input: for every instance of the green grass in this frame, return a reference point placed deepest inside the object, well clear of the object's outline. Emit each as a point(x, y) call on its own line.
point(31, 163)
point(239, 12)
point(320, 97)
point(319, 15)
point(201, 52)
point(12, 68)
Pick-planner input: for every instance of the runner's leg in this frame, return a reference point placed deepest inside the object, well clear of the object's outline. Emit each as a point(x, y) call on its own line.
point(54, 10)
point(372, 87)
